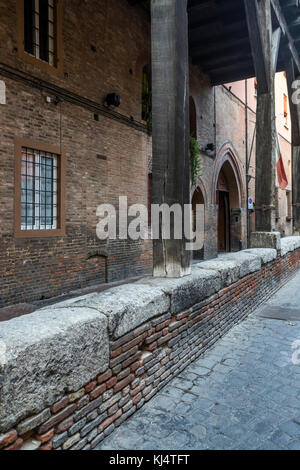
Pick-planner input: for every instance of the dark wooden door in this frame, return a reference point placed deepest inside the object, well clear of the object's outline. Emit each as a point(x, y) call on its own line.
point(223, 222)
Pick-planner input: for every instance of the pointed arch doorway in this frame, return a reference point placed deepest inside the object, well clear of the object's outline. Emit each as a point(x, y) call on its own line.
point(229, 210)
point(197, 199)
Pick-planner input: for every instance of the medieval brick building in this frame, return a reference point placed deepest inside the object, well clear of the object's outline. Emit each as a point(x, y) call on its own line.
point(78, 80)
point(64, 150)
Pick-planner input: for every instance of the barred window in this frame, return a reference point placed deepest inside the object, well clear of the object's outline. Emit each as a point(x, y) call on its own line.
point(40, 30)
point(39, 190)
point(39, 202)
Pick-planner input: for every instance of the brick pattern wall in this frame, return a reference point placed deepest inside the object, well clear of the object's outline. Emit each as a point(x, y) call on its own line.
point(46, 267)
point(105, 158)
point(145, 360)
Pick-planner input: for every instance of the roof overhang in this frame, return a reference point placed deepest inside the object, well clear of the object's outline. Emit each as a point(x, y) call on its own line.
point(219, 37)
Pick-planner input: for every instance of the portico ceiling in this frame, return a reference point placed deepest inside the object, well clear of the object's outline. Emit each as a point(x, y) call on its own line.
point(219, 36)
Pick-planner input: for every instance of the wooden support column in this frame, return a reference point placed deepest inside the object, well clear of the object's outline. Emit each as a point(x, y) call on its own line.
point(170, 111)
point(295, 119)
point(296, 188)
point(264, 54)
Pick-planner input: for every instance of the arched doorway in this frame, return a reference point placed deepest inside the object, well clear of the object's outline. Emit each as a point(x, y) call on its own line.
point(229, 210)
point(197, 199)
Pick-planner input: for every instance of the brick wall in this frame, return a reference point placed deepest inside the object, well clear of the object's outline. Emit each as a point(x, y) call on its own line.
point(37, 269)
point(107, 54)
point(143, 361)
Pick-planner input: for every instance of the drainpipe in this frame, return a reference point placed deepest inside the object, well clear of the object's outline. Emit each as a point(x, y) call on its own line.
point(247, 162)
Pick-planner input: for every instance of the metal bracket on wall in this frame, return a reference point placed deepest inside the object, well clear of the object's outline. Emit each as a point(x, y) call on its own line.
point(265, 208)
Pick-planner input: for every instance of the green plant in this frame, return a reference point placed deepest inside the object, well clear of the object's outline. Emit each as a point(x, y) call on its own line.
point(194, 160)
point(147, 110)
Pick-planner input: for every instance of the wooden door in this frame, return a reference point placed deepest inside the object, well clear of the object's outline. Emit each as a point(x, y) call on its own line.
point(223, 222)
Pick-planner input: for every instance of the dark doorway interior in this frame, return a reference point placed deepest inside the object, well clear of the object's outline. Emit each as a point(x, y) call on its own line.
point(197, 199)
point(223, 221)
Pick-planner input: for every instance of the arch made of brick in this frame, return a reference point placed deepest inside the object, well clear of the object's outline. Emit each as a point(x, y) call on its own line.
point(201, 186)
point(142, 60)
point(228, 154)
point(193, 117)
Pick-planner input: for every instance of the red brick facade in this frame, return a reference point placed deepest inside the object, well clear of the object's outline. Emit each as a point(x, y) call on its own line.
point(143, 361)
point(106, 44)
point(105, 158)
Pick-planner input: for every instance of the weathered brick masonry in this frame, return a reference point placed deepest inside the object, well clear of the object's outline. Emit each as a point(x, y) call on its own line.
point(105, 157)
point(106, 45)
point(143, 361)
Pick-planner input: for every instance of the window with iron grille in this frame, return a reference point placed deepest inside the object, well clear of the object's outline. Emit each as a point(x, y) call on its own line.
point(39, 190)
point(40, 29)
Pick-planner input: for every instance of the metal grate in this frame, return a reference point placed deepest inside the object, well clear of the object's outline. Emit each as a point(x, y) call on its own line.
point(39, 29)
point(39, 190)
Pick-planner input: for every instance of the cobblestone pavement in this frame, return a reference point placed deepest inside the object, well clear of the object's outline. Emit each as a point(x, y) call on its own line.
point(242, 394)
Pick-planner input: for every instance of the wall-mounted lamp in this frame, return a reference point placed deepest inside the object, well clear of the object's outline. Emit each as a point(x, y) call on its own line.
point(113, 99)
point(210, 147)
point(58, 100)
point(210, 150)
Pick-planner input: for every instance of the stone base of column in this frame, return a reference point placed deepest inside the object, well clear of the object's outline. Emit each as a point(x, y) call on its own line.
point(265, 240)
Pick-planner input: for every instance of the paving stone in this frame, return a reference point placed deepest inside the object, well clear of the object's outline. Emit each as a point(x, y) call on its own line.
point(243, 394)
point(294, 445)
point(291, 428)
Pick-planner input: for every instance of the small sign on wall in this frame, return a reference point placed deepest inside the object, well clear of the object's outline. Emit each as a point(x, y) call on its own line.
point(250, 204)
point(2, 92)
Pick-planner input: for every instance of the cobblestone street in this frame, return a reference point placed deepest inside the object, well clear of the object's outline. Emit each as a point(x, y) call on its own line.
point(243, 394)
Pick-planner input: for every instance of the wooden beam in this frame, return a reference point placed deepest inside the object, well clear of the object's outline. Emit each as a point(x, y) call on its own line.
point(233, 76)
point(276, 38)
point(214, 54)
point(219, 61)
point(266, 143)
point(295, 118)
point(294, 108)
point(197, 48)
point(171, 134)
point(256, 40)
point(285, 31)
point(229, 65)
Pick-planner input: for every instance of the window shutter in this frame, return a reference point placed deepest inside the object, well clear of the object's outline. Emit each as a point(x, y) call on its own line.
point(29, 26)
point(44, 33)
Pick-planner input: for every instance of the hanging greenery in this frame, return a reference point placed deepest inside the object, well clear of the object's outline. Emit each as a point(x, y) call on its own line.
point(195, 160)
point(147, 110)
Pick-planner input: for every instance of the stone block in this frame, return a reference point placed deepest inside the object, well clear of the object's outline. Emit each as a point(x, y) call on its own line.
point(126, 307)
point(49, 352)
point(266, 254)
point(189, 290)
point(265, 240)
point(289, 244)
point(247, 263)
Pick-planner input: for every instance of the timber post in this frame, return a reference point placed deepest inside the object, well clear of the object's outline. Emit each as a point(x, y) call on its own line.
point(170, 109)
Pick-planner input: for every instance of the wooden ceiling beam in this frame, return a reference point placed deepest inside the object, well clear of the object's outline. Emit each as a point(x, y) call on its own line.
point(291, 77)
point(285, 31)
point(222, 60)
point(256, 41)
point(233, 76)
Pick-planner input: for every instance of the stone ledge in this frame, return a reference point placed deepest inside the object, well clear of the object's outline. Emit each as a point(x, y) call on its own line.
point(266, 254)
point(46, 354)
point(125, 307)
point(265, 240)
point(289, 244)
point(187, 291)
point(58, 350)
point(234, 266)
